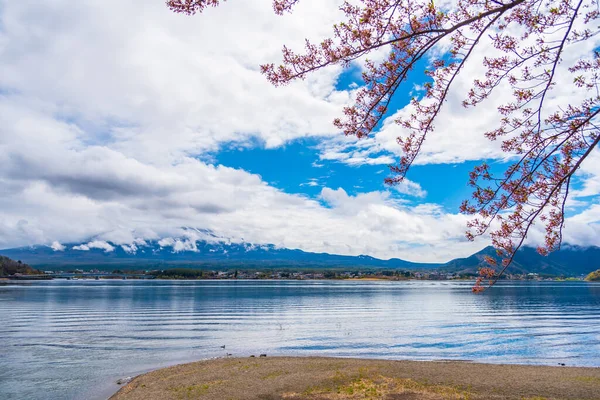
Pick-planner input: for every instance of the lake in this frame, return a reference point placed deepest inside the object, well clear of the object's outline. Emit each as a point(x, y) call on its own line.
point(74, 339)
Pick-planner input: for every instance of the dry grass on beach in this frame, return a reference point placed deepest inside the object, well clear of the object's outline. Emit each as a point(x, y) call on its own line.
point(339, 378)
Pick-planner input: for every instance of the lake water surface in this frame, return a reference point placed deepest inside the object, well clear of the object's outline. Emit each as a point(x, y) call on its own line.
point(74, 339)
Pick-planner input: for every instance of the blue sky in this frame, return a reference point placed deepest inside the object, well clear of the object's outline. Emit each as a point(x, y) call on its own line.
point(291, 168)
point(144, 122)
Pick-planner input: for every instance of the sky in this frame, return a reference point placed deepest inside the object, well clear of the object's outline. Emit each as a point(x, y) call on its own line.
point(123, 122)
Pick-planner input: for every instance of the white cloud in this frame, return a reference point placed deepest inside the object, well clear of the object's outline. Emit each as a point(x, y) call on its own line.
point(131, 249)
point(95, 244)
point(584, 228)
point(166, 242)
point(147, 75)
point(589, 173)
point(56, 246)
point(311, 182)
point(410, 188)
point(351, 151)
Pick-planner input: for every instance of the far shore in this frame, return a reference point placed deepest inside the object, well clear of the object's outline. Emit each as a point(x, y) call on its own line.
point(371, 279)
point(351, 378)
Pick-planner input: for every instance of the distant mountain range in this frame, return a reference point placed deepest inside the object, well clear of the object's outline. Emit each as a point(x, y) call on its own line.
point(212, 252)
point(199, 253)
point(569, 261)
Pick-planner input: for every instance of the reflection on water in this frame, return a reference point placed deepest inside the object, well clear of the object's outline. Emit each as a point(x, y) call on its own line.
point(73, 339)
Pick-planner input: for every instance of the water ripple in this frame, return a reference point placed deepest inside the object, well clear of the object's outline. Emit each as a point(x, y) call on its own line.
point(59, 336)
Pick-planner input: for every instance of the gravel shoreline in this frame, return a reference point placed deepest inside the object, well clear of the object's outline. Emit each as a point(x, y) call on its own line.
point(349, 378)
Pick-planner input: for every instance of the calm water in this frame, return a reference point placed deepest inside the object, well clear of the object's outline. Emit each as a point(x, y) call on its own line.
point(74, 339)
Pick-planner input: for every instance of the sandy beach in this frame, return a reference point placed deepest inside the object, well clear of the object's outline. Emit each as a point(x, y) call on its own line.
point(342, 378)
